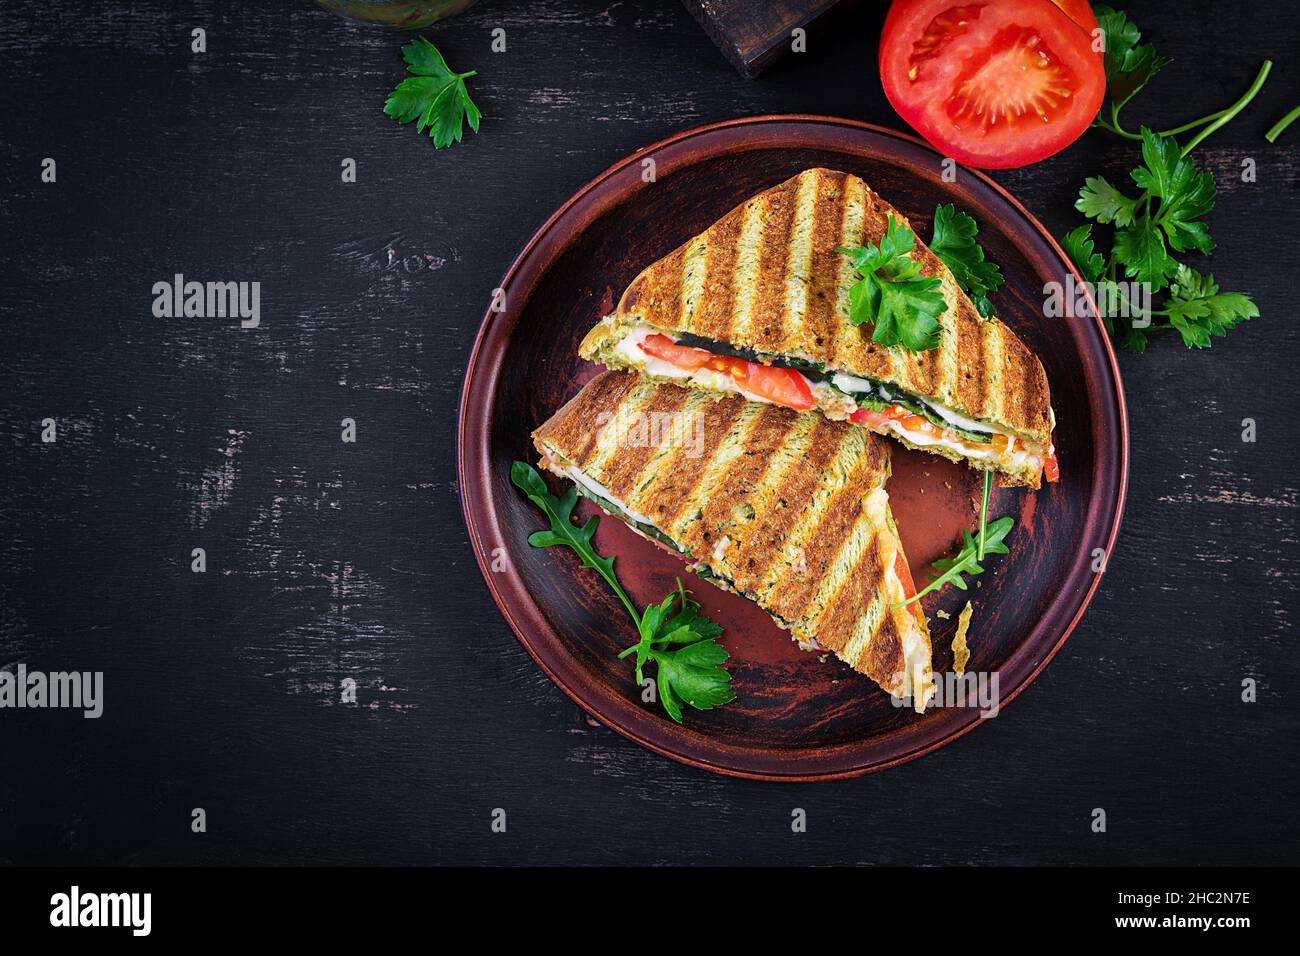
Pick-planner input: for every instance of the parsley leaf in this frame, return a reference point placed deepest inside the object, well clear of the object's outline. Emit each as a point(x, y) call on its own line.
point(953, 241)
point(1164, 220)
point(1198, 310)
point(1140, 249)
point(435, 96)
point(1184, 193)
point(1099, 200)
point(1078, 245)
point(903, 305)
point(1129, 63)
point(1131, 337)
point(693, 673)
point(967, 560)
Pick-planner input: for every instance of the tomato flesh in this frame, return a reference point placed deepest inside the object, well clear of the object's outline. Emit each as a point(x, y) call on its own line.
point(682, 356)
point(1051, 468)
point(904, 574)
point(995, 83)
point(780, 386)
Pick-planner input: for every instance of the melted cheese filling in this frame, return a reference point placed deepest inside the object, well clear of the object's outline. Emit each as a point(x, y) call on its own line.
point(917, 680)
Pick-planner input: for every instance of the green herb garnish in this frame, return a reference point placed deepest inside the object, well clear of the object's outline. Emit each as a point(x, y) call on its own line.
point(1130, 65)
point(987, 540)
point(984, 511)
point(953, 241)
point(1163, 219)
point(1277, 128)
point(903, 305)
point(967, 561)
point(693, 673)
point(435, 97)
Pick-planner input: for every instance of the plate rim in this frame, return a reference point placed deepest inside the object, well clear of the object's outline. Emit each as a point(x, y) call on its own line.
point(465, 476)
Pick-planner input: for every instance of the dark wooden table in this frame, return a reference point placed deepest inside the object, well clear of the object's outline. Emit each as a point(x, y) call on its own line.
point(329, 560)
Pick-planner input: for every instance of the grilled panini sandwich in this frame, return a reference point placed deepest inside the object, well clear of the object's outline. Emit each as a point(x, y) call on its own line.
point(759, 304)
point(786, 508)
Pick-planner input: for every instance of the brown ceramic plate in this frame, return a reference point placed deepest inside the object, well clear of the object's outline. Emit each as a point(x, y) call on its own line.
point(797, 717)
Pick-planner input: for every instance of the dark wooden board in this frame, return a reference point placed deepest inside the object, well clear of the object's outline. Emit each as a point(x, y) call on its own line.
point(797, 716)
point(753, 34)
point(329, 561)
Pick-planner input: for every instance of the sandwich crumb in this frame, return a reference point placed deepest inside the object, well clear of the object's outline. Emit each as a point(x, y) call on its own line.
point(960, 652)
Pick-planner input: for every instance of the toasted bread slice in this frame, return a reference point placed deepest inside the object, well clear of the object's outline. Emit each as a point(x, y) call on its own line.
point(765, 278)
point(788, 509)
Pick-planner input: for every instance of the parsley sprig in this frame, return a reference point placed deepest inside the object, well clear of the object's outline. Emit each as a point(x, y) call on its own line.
point(903, 305)
point(1164, 218)
point(436, 97)
point(693, 672)
point(953, 241)
point(988, 539)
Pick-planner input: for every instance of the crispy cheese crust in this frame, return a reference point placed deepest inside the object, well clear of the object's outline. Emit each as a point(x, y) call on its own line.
point(789, 508)
point(766, 276)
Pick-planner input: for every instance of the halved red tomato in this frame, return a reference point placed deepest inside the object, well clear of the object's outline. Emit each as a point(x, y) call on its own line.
point(780, 386)
point(993, 83)
point(1080, 11)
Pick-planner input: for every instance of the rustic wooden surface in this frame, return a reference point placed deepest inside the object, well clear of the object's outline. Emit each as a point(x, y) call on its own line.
point(752, 35)
point(328, 560)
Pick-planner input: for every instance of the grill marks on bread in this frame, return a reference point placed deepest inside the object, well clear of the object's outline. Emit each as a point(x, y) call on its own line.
point(766, 276)
point(789, 507)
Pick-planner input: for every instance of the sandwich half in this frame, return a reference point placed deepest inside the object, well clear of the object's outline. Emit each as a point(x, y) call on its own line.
point(786, 508)
point(758, 304)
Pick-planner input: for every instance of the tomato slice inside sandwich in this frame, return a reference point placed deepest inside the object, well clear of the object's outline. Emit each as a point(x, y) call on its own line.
point(780, 386)
point(993, 83)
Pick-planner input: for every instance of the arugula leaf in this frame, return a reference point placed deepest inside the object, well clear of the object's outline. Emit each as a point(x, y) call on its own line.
point(435, 96)
point(692, 674)
point(1129, 63)
point(1099, 200)
point(1198, 310)
point(953, 241)
point(967, 560)
point(563, 530)
point(903, 305)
